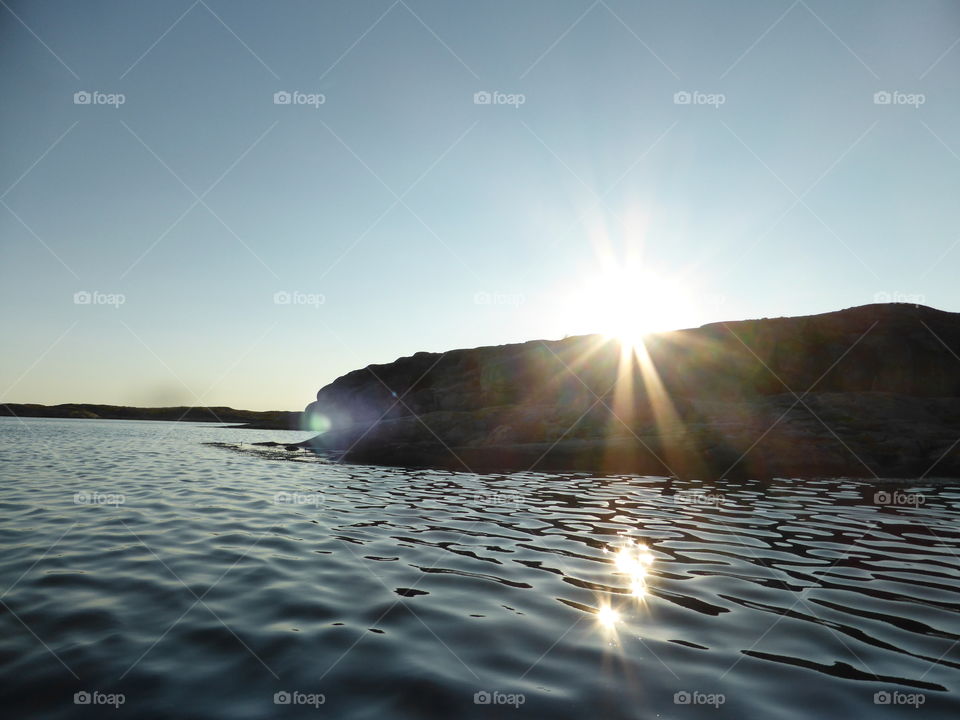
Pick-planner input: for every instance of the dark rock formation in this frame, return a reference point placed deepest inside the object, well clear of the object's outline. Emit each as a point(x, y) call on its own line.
point(259, 419)
point(869, 391)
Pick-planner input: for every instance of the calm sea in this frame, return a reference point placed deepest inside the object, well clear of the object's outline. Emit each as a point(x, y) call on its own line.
point(147, 573)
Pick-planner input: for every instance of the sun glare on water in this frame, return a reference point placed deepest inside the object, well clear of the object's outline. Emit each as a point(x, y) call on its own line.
point(632, 561)
point(607, 616)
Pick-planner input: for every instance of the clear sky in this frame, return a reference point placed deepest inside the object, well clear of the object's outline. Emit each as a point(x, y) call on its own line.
point(731, 158)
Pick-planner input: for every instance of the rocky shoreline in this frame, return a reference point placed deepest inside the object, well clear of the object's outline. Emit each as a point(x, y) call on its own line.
point(871, 391)
point(252, 419)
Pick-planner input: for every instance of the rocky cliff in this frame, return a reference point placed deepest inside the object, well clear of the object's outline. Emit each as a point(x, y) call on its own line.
point(871, 391)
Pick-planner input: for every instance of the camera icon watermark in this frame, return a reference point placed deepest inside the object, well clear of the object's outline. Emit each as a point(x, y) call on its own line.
point(484, 297)
point(899, 297)
point(703, 499)
point(895, 697)
point(314, 100)
point(695, 697)
point(86, 97)
point(295, 297)
point(95, 697)
point(99, 498)
point(295, 697)
point(713, 299)
point(695, 97)
point(498, 499)
point(95, 297)
point(298, 498)
point(895, 97)
point(495, 697)
point(899, 499)
point(484, 97)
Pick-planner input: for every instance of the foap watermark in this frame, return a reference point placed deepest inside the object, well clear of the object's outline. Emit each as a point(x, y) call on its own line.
point(483, 97)
point(99, 498)
point(86, 97)
point(694, 497)
point(284, 97)
point(895, 97)
point(695, 697)
point(498, 498)
point(295, 697)
point(298, 498)
point(295, 297)
point(483, 297)
point(495, 697)
point(899, 297)
point(95, 297)
point(896, 497)
point(895, 697)
point(712, 299)
point(95, 697)
point(695, 97)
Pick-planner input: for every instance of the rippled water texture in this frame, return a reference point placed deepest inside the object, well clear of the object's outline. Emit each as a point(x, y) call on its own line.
point(226, 576)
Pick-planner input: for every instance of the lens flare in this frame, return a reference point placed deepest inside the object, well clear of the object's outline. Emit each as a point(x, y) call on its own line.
point(316, 422)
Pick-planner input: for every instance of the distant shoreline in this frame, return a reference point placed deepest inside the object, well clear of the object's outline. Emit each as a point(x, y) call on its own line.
point(249, 419)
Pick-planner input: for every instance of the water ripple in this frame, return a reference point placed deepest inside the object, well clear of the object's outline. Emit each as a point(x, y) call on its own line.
point(199, 581)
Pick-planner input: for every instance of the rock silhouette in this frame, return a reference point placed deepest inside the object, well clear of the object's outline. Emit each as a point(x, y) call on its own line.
point(871, 391)
point(265, 419)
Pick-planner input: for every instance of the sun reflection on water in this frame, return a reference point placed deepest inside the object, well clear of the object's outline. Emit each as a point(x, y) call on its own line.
point(607, 616)
point(633, 560)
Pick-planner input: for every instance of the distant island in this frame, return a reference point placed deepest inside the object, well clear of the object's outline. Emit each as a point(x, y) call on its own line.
point(253, 419)
point(871, 391)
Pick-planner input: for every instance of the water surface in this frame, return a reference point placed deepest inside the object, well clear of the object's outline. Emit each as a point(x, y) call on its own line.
point(200, 581)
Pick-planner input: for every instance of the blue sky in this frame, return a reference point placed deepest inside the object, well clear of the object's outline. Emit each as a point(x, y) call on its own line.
point(400, 215)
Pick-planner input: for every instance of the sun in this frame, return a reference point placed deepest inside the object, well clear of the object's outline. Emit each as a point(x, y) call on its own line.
point(627, 303)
